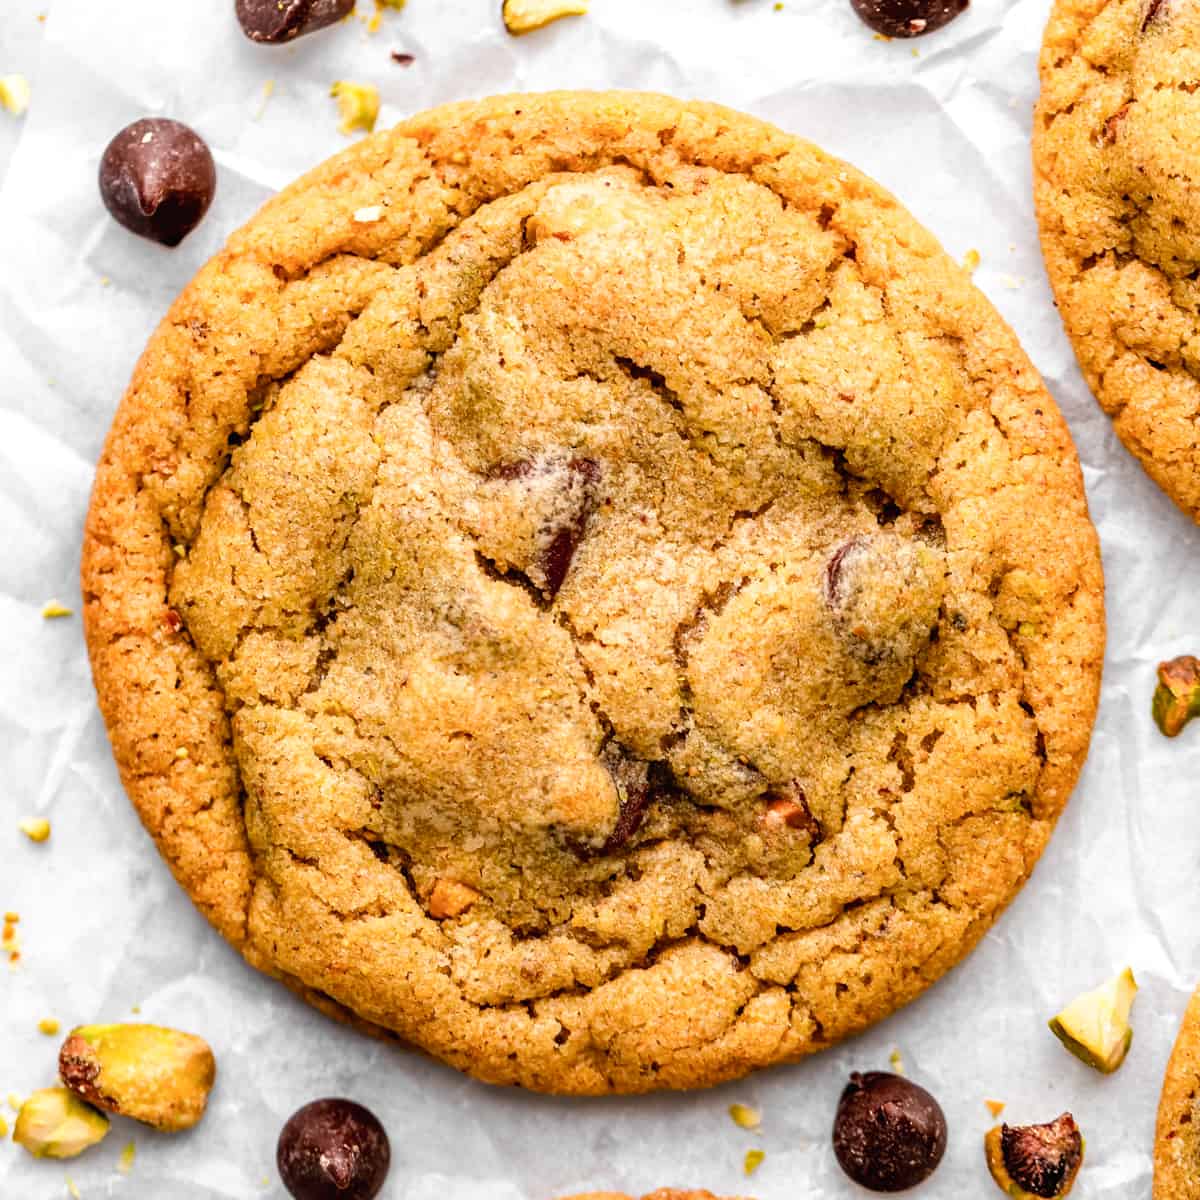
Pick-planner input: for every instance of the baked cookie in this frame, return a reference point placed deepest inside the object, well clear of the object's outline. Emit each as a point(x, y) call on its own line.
point(1177, 1138)
point(1117, 183)
point(662, 1194)
point(585, 584)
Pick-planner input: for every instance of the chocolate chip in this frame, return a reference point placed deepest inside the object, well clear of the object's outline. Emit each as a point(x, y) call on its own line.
point(566, 494)
point(908, 18)
point(833, 570)
point(787, 808)
point(402, 59)
point(1154, 12)
point(157, 178)
point(565, 539)
point(277, 21)
point(333, 1150)
point(889, 1134)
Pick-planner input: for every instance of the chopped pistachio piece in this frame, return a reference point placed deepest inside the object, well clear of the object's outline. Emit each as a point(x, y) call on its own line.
point(524, 16)
point(1029, 1162)
point(744, 1116)
point(55, 1123)
point(1095, 1026)
point(14, 93)
point(1177, 697)
point(49, 1026)
point(53, 609)
point(752, 1161)
point(358, 104)
point(897, 1061)
point(159, 1076)
point(36, 829)
point(125, 1162)
point(72, 1190)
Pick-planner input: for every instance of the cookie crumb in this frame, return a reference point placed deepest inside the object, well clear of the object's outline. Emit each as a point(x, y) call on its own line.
point(36, 829)
point(971, 261)
point(995, 1107)
point(752, 1161)
point(524, 16)
point(53, 609)
point(49, 1026)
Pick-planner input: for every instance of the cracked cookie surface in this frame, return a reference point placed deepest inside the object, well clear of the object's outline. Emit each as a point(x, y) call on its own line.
point(622, 615)
point(1116, 180)
point(1177, 1136)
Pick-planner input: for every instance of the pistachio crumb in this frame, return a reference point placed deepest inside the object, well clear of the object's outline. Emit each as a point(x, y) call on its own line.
point(358, 104)
point(268, 90)
point(125, 1162)
point(49, 1026)
point(36, 829)
point(897, 1061)
point(752, 1161)
point(995, 1107)
point(52, 609)
point(14, 93)
point(524, 16)
point(72, 1190)
point(744, 1116)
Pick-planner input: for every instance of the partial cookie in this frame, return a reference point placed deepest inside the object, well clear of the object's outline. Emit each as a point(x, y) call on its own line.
point(585, 584)
point(1117, 184)
point(1177, 1137)
point(663, 1194)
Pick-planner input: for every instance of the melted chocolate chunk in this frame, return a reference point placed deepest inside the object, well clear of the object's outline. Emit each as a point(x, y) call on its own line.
point(158, 178)
point(908, 18)
point(275, 21)
point(565, 539)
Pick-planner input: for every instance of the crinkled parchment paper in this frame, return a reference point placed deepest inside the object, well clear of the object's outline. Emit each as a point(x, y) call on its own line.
point(944, 123)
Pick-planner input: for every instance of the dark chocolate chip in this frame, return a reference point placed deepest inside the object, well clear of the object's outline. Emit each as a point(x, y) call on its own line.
point(158, 178)
point(333, 1150)
point(1155, 10)
point(908, 18)
point(787, 808)
point(889, 1134)
point(402, 59)
point(277, 21)
point(564, 541)
point(833, 571)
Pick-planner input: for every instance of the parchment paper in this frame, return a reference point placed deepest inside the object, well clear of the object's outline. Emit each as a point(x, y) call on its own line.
point(944, 123)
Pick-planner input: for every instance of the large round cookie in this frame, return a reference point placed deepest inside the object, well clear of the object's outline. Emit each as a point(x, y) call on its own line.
point(584, 583)
point(1177, 1137)
point(1117, 184)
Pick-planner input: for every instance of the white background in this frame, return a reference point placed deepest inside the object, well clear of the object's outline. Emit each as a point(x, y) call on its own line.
point(104, 928)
